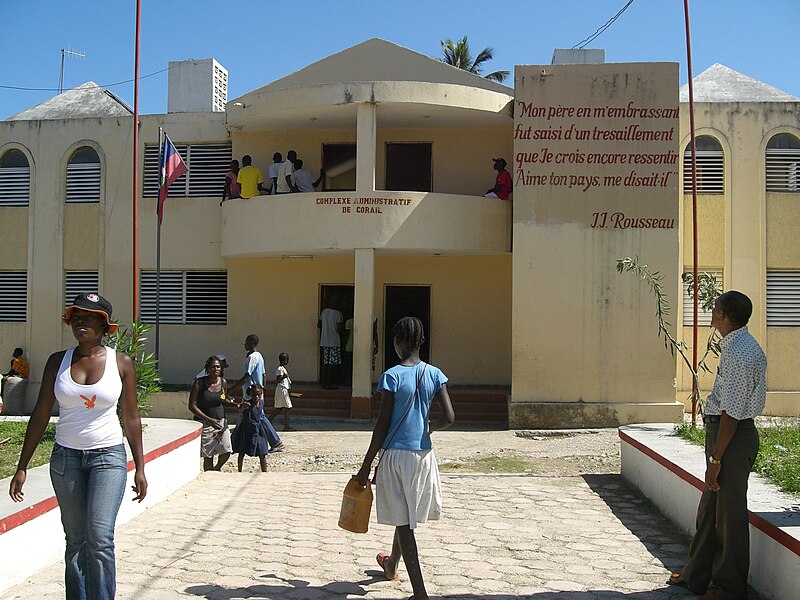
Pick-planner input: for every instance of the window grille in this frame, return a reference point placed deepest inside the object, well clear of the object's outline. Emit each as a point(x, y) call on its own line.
point(77, 282)
point(783, 298)
point(13, 296)
point(187, 297)
point(207, 297)
point(207, 163)
point(703, 316)
point(710, 166)
point(15, 179)
point(83, 176)
point(783, 163)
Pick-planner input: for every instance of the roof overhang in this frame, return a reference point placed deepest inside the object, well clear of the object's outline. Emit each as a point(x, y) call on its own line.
point(401, 104)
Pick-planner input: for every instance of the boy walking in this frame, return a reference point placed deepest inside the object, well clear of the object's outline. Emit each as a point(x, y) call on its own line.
point(254, 374)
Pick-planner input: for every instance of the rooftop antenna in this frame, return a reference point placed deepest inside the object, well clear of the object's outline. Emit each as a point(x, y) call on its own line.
point(64, 53)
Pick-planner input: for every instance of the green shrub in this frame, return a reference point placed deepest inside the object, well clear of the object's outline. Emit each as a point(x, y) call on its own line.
point(131, 342)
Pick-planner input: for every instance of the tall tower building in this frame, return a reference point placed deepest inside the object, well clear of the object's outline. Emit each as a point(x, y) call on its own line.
point(197, 86)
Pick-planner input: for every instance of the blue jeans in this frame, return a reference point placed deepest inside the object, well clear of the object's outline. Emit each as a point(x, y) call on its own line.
point(89, 486)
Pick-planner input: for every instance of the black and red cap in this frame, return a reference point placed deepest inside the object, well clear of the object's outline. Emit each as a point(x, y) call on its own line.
point(93, 303)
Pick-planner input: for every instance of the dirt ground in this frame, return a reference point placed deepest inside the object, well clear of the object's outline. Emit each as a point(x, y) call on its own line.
point(325, 446)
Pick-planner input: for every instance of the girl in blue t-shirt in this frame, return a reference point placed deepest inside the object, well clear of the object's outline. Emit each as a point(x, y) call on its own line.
point(408, 488)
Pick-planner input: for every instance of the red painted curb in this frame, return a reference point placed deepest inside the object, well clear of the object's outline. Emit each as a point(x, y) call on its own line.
point(776, 533)
point(37, 510)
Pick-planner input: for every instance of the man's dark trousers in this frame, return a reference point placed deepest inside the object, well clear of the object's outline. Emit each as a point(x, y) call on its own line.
point(720, 550)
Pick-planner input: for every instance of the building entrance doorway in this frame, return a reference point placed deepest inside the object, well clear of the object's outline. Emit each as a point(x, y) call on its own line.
point(406, 301)
point(343, 295)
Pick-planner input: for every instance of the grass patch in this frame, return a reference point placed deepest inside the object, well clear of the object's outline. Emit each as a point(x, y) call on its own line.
point(778, 457)
point(9, 452)
point(490, 464)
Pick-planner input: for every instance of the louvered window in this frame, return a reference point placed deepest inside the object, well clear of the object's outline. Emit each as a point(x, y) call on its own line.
point(79, 282)
point(207, 163)
point(783, 163)
point(83, 176)
point(710, 166)
point(187, 297)
point(703, 316)
point(15, 179)
point(783, 298)
point(13, 295)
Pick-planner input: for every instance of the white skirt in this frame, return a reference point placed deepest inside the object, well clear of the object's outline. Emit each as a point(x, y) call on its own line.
point(408, 490)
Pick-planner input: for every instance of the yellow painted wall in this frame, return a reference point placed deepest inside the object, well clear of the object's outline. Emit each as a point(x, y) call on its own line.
point(470, 312)
point(278, 299)
point(783, 348)
point(14, 237)
point(758, 230)
point(710, 229)
point(462, 158)
point(783, 225)
point(82, 237)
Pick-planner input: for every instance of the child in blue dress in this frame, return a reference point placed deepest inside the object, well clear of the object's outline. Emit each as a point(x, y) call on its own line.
point(408, 490)
point(250, 435)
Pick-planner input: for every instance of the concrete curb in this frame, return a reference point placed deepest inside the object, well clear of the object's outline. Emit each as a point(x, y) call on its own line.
point(670, 471)
point(31, 536)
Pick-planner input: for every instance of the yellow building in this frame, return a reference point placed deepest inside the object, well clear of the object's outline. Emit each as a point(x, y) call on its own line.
point(399, 226)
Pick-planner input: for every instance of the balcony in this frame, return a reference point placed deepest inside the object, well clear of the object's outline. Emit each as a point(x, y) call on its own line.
point(336, 223)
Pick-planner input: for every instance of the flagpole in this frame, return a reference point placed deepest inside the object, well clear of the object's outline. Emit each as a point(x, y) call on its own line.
point(158, 245)
point(135, 261)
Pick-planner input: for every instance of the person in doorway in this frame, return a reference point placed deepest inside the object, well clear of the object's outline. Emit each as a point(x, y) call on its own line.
point(502, 183)
point(207, 402)
point(277, 159)
point(330, 341)
point(302, 180)
point(88, 467)
point(254, 373)
point(249, 178)
point(283, 400)
point(232, 189)
point(283, 184)
point(719, 554)
point(408, 490)
point(19, 366)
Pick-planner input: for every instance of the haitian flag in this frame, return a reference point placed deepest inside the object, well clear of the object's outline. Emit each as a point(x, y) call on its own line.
point(172, 167)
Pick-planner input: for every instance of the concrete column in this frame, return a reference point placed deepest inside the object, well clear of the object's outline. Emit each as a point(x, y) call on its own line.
point(363, 310)
point(366, 140)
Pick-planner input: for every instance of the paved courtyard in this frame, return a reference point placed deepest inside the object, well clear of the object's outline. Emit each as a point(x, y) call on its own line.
point(502, 537)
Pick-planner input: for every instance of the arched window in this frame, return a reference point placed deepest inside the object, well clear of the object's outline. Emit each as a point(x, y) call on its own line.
point(83, 176)
point(783, 163)
point(710, 166)
point(15, 179)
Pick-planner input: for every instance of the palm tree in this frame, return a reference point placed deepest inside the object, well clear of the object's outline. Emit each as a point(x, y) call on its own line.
point(459, 55)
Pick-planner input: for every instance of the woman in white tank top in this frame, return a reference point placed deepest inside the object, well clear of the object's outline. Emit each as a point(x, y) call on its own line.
point(88, 466)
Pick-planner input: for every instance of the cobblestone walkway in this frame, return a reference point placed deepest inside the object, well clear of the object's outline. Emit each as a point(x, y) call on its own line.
point(228, 535)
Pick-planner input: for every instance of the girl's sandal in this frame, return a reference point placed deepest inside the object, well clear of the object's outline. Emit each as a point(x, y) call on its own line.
point(381, 558)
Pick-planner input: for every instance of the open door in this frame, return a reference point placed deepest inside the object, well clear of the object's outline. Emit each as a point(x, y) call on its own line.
point(326, 296)
point(406, 301)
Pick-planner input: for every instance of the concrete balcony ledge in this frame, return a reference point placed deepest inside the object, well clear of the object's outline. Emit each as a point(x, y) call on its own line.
point(330, 223)
point(670, 472)
point(31, 535)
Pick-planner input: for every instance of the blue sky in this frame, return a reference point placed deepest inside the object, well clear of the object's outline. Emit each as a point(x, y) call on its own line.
point(259, 41)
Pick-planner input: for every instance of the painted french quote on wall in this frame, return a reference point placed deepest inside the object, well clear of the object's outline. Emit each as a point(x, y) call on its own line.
point(600, 148)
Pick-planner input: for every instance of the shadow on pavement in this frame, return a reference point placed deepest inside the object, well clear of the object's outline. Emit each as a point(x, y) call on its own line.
point(342, 589)
point(662, 539)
